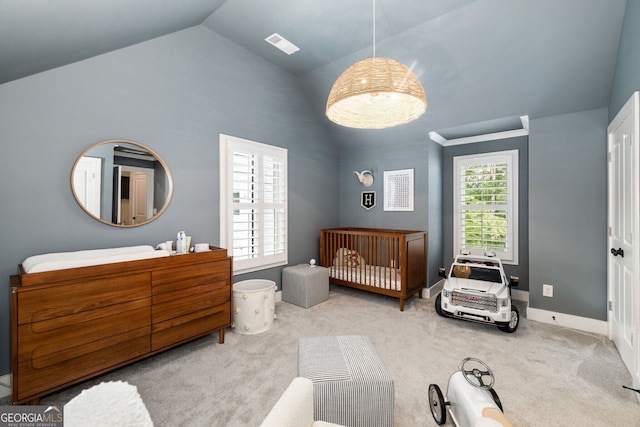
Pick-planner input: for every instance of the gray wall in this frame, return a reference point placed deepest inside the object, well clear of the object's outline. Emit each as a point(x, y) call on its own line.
point(175, 94)
point(519, 143)
point(627, 75)
point(424, 157)
point(568, 213)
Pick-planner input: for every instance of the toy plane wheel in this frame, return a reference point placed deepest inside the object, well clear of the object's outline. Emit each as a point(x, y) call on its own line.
point(437, 404)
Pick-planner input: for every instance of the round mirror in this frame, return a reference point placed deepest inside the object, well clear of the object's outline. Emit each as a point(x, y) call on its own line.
point(122, 183)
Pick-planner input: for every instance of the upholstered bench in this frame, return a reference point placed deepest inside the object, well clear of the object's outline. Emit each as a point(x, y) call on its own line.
point(295, 407)
point(351, 385)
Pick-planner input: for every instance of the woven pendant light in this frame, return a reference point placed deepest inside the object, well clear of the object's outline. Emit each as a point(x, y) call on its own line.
point(376, 93)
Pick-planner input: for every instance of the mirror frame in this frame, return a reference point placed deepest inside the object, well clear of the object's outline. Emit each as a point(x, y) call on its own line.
point(141, 146)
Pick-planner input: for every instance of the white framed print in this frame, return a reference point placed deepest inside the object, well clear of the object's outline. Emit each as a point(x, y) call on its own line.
point(398, 190)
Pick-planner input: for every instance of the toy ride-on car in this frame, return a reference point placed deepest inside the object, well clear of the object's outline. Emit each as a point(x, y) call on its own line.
point(477, 289)
point(471, 400)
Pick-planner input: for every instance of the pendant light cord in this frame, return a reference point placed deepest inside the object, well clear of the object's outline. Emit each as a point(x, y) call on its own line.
point(374, 28)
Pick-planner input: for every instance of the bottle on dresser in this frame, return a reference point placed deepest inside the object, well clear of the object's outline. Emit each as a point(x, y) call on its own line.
point(181, 243)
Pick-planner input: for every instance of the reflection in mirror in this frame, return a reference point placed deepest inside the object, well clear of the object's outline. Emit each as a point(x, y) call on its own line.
point(122, 183)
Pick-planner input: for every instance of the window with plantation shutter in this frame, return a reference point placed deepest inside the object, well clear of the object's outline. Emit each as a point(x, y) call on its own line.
point(485, 204)
point(253, 205)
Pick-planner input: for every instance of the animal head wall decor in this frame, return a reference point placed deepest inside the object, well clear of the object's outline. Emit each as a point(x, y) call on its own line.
point(365, 177)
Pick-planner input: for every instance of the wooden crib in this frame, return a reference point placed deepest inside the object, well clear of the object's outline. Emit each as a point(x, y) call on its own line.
point(387, 262)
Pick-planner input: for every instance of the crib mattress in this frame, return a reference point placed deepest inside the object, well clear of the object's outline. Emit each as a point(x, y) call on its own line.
point(370, 275)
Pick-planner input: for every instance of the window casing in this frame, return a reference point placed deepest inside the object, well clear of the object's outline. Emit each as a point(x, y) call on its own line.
point(253, 203)
point(485, 200)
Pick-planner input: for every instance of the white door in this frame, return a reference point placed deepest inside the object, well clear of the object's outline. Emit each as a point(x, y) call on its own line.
point(116, 208)
point(623, 265)
point(139, 196)
point(86, 183)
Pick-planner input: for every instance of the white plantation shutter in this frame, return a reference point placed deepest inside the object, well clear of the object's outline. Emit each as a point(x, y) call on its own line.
point(253, 193)
point(485, 204)
point(275, 199)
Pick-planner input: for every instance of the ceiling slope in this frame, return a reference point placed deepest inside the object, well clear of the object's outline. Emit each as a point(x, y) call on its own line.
point(478, 60)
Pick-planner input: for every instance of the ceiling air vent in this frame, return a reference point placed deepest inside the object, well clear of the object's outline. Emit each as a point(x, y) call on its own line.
point(283, 44)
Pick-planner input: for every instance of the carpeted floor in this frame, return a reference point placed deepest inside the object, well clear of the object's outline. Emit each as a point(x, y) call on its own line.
point(545, 375)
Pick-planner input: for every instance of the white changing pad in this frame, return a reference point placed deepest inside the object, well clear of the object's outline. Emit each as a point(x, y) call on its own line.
point(62, 260)
point(110, 404)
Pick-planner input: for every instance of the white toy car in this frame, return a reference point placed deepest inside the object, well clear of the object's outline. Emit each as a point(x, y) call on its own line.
point(477, 289)
point(471, 400)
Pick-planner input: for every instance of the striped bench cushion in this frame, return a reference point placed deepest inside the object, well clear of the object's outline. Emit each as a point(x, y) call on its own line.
point(351, 384)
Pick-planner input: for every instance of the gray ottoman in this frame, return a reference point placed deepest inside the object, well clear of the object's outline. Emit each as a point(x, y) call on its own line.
point(304, 285)
point(351, 386)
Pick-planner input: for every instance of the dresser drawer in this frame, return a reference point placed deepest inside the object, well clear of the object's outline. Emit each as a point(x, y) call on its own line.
point(189, 326)
point(63, 350)
point(34, 382)
point(179, 278)
point(44, 303)
point(178, 303)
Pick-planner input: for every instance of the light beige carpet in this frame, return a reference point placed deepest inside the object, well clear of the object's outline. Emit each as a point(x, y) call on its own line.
point(545, 375)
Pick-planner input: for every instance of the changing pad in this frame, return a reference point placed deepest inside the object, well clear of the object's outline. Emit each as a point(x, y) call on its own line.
point(62, 260)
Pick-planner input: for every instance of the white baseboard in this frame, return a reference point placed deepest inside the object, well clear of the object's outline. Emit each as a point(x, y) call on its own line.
point(519, 295)
point(5, 386)
point(568, 321)
point(433, 290)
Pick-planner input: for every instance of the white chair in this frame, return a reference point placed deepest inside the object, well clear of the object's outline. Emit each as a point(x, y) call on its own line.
point(295, 407)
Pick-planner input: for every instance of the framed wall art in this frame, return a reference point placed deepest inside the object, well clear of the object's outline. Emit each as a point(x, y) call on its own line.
point(398, 190)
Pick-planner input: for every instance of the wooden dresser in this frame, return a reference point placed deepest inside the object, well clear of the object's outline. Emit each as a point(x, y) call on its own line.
point(73, 324)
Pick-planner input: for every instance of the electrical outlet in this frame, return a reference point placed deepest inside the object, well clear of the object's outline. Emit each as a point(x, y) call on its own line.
point(547, 291)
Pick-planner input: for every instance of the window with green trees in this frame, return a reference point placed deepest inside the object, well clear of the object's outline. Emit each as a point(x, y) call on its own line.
point(485, 204)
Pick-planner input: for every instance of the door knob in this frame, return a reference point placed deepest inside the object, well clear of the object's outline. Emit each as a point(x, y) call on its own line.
point(617, 252)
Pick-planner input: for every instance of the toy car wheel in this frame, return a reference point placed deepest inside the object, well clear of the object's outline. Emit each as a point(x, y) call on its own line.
point(437, 405)
point(512, 325)
point(496, 399)
point(439, 306)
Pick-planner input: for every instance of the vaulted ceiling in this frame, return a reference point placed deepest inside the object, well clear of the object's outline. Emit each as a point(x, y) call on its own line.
point(481, 62)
